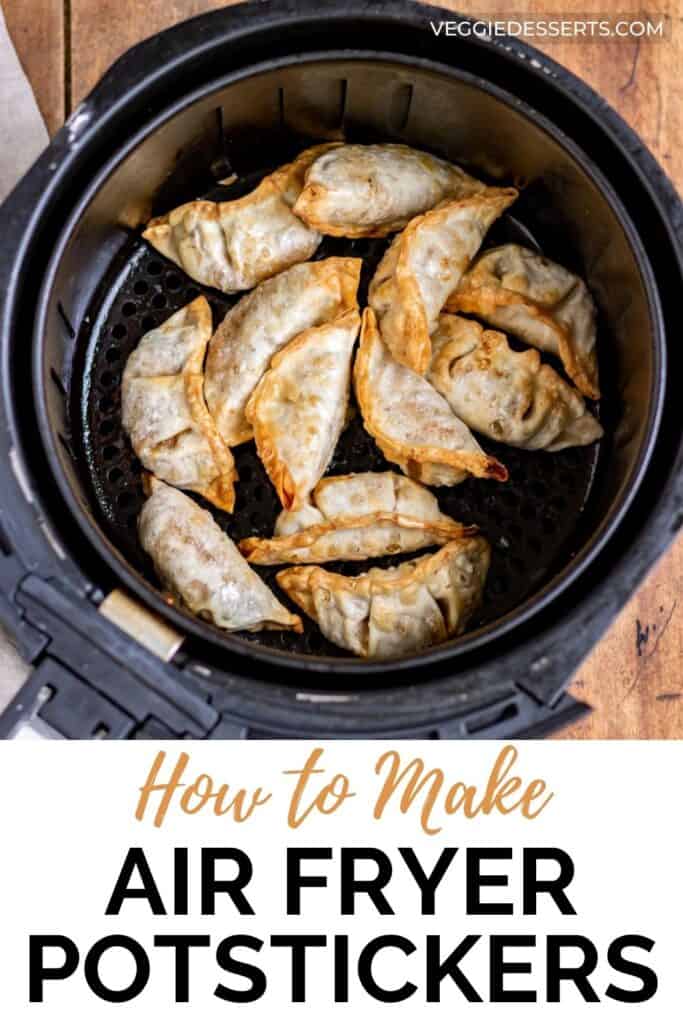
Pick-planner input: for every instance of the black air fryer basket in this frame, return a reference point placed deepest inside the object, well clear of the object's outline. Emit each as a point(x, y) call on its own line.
point(240, 91)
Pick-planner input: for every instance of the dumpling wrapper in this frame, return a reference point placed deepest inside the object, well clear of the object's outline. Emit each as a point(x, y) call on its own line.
point(164, 413)
point(411, 422)
point(363, 494)
point(509, 396)
point(298, 408)
point(201, 566)
point(388, 612)
point(538, 301)
point(235, 245)
point(262, 323)
point(355, 517)
point(371, 191)
point(423, 266)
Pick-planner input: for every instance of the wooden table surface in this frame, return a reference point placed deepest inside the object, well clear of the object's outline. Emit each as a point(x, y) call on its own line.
point(634, 678)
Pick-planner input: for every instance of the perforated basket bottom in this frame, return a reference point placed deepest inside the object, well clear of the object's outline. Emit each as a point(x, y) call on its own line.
point(534, 521)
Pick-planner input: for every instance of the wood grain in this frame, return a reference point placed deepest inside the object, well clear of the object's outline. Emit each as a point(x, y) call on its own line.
point(37, 31)
point(640, 78)
point(101, 30)
point(634, 678)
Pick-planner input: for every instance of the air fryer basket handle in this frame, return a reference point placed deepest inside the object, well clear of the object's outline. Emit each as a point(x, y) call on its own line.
point(90, 679)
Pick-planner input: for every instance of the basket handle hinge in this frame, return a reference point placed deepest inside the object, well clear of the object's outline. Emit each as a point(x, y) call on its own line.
point(142, 625)
point(89, 679)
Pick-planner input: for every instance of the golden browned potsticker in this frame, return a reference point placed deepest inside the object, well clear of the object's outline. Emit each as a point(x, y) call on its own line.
point(262, 323)
point(235, 245)
point(509, 396)
point(371, 191)
point(411, 422)
point(423, 266)
point(356, 517)
point(164, 412)
point(385, 613)
point(202, 568)
point(538, 301)
point(298, 408)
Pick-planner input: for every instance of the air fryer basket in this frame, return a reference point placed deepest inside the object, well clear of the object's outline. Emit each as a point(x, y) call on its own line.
point(555, 506)
point(561, 529)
